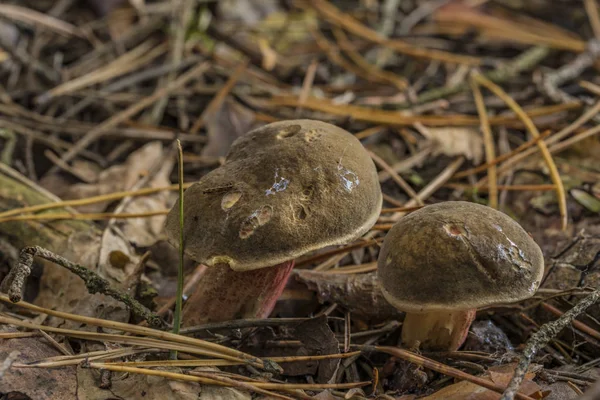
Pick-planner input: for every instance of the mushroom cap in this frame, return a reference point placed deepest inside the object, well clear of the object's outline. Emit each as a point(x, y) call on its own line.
point(285, 189)
point(458, 255)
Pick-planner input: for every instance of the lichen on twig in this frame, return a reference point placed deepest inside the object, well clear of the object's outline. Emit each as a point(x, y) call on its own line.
point(541, 338)
point(15, 281)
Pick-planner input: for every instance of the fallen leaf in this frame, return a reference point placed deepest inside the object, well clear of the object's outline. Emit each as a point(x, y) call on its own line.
point(500, 375)
point(35, 383)
point(229, 122)
point(463, 391)
point(318, 339)
point(113, 179)
point(144, 387)
point(560, 391)
point(466, 141)
point(591, 203)
point(144, 232)
point(326, 395)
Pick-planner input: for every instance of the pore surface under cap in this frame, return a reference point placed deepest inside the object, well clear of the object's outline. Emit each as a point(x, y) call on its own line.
point(458, 255)
point(285, 189)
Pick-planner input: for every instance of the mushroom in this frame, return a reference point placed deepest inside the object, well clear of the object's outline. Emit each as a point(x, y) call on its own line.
point(442, 262)
point(285, 189)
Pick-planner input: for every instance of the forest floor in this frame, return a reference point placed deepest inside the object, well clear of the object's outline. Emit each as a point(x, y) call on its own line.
point(491, 102)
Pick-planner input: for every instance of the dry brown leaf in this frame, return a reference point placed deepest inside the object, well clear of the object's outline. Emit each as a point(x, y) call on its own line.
point(144, 387)
point(456, 141)
point(463, 391)
point(144, 232)
point(500, 375)
point(225, 125)
point(113, 179)
point(318, 338)
point(326, 395)
point(38, 384)
point(560, 391)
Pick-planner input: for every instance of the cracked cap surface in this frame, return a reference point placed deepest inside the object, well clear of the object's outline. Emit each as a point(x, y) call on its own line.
point(458, 255)
point(285, 189)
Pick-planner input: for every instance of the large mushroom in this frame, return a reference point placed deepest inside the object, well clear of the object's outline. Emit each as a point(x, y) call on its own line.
point(442, 262)
point(285, 189)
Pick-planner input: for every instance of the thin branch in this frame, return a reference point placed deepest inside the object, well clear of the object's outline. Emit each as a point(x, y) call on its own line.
point(15, 282)
point(555, 176)
point(488, 139)
point(541, 338)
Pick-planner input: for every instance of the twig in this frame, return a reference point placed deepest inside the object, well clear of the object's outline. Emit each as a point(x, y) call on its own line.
point(307, 83)
point(15, 282)
point(485, 188)
point(397, 178)
point(29, 16)
point(577, 324)
point(161, 336)
point(591, 8)
point(439, 367)
point(376, 116)
point(24, 58)
point(115, 120)
point(217, 362)
point(335, 16)
point(488, 139)
point(344, 249)
point(373, 71)
point(89, 200)
point(563, 133)
point(503, 157)
point(525, 61)
point(87, 217)
point(433, 186)
point(550, 81)
point(181, 16)
point(219, 98)
point(541, 338)
point(554, 174)
point(128, 62)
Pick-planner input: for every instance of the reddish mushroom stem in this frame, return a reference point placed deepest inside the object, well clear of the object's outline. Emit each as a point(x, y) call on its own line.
point(224, 294)
point(440, 330)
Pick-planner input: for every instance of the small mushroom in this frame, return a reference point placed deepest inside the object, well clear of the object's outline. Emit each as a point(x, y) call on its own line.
point(285, 189)
point(442, 262)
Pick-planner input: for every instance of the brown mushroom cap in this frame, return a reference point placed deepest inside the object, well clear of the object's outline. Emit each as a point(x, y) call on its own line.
point(458, 255)
point(285, 189)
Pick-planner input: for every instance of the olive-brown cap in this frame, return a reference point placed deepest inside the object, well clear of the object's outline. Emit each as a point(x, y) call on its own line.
point(285, 189)
point(458, 255)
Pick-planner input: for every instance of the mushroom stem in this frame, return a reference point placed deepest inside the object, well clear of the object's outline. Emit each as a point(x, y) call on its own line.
point(224, 294)
point(440, 330)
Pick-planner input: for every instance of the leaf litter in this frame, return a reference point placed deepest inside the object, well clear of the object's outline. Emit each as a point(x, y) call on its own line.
point(88, 125)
